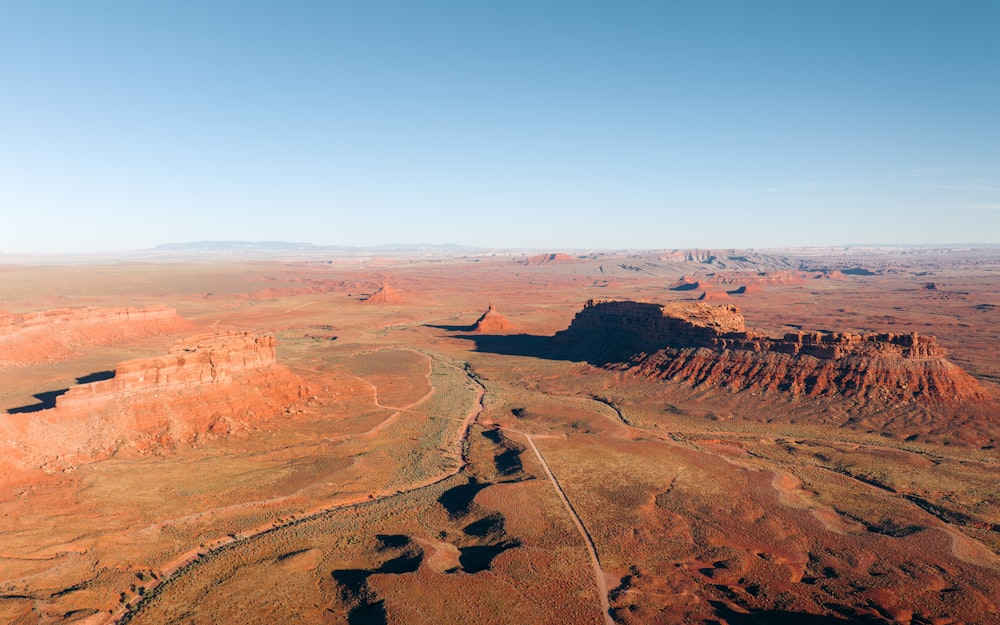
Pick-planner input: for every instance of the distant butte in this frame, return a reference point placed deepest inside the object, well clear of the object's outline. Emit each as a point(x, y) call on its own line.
point(492, 322)
point(544, 259)
point(709, 296)
point(703, 344)
point(206, 385)
point(385, 294)
point(686, 284)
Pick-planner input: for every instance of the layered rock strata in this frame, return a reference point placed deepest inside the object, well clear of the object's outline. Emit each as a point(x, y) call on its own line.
point(704, 344)
point(205, 386)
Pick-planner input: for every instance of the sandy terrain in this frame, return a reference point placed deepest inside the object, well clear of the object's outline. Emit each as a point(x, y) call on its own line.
point(409, 465)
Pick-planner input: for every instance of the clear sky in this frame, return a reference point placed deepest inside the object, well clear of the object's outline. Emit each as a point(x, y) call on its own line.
point(502, 124)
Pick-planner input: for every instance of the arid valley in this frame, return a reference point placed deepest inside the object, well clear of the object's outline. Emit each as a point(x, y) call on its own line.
point(711, 437)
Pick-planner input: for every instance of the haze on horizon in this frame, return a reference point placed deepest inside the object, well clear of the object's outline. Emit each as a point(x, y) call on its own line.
point(568, 125)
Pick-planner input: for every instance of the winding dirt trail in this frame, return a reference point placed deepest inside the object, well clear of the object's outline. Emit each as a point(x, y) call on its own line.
point(427, 376)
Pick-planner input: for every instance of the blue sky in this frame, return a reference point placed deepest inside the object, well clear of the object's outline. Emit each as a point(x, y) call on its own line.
point(502, 124)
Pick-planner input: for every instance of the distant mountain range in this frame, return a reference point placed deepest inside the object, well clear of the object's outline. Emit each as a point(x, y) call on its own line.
point(291, 246)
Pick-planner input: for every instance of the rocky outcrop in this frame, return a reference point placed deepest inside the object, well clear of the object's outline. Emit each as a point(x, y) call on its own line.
point(702, 344)
point(56, 334)
point(207, 385)
point(385, 294)
point(492, 322)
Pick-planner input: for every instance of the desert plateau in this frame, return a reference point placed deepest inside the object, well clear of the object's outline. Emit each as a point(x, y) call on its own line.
point(727, 437)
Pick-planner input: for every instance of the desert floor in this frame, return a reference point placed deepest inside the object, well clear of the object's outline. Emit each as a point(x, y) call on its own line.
point(434, 475)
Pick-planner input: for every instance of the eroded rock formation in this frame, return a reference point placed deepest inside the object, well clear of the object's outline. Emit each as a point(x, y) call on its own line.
point(56, 334)
point(492, 322)
point(206, 385)
point(385, 294)
point(704, 344)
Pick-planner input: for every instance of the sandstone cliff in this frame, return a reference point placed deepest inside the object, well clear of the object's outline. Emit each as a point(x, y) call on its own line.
point(702, 344)
point(56, 334)
point(206, 385)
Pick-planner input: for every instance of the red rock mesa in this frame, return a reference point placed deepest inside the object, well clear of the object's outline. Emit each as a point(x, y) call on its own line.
point(51, 335)
point(206, 385)
point(711, 296)
point(703, 344)
point(544, 259)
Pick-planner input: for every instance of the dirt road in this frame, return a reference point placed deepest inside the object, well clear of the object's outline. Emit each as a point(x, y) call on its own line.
point(602, 582)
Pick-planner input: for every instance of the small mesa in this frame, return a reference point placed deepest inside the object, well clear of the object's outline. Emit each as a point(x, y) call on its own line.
point(687, 284)
point(544, 259)
point(713, 296)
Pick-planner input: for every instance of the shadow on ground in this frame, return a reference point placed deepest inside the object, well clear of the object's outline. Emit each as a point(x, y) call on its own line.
point(47, 399)
point(595, 350)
